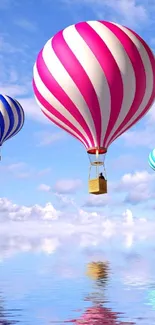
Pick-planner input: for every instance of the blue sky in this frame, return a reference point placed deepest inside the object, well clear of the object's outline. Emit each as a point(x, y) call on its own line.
point(49, 226)
point(43, 164)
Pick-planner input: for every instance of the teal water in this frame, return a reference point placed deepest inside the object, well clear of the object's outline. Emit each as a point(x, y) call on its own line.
point(43, 280)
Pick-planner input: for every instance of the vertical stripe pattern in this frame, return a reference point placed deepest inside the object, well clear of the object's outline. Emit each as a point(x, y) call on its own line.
point(95, 80)
point(151, 159)
point(11, 118)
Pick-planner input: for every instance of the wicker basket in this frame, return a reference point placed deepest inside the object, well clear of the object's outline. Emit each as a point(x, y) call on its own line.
point(97, 186)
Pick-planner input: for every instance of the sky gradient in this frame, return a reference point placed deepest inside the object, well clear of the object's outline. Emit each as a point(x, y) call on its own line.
point(43, 167)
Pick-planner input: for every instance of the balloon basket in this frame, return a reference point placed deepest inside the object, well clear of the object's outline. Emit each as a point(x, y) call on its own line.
point(97, 186)
point(97, 183)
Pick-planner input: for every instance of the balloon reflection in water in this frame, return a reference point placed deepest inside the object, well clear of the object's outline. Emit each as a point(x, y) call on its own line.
point(98, 314)
point(6, 315)
point(98, 271)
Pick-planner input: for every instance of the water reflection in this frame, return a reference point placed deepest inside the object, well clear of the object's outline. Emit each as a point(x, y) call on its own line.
point(98, 313)
point(51, 276)
point(98, 271)
point(7, 316)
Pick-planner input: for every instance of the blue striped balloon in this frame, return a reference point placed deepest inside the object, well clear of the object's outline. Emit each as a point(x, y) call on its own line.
point(152, 159)
point(11, 118)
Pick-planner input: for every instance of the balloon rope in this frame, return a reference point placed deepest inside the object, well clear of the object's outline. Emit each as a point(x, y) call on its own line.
point(89, 172)
point(104, 168)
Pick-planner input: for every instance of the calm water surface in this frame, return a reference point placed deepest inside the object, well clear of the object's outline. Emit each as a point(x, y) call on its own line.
point(51, 279)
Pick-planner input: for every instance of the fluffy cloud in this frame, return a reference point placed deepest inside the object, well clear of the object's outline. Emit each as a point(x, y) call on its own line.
point(44, 228)
point(68, 185)
point(21, 93)
point(44, 188)
point(132, 180)
point(13, 212)
point(128, 217)
point(32, 110)
point(139, 187)
point(96, 201)
point(62, 186)
point(23, 170)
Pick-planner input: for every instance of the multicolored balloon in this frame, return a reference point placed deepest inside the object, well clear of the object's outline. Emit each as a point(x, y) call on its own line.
point(11, 118)
point(152, 159)
point(95, 80)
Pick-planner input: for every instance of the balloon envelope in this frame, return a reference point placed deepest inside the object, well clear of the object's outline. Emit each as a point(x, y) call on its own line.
point(152, 159)
point(11, 118)
point(95, 80)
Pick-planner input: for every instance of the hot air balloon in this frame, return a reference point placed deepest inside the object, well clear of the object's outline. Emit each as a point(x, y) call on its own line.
point(152, 159)
point(11, 118)
point(95, 80)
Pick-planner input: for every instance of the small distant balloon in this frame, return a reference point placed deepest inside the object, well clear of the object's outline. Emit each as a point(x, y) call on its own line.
point(11, 118)
point(152, 159)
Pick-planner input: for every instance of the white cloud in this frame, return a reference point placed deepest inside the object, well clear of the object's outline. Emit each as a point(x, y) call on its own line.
point(18, 170)
point(46, 138)
point(144, 135)
point(44, 171)
point(32, 110)
point(13, 90)
point(137, 273)
point(89, 217)
point(13, 75)
point(139, 195)
point(128, 217)
point(20, 92)
point(44, 188)
point(143, 177)
point(67, 185)
point(15, 166)
point(44, 228)
point(10, 211)
point(129, 12)
point(139, 187)
point(66, 200)
point(49, 245)
point(7, 48)
point(26, 24)
point(23, 170)
point(140, 138)
point(97, 201)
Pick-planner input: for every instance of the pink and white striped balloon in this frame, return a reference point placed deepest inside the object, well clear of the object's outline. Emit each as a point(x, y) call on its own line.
point(95, 80)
